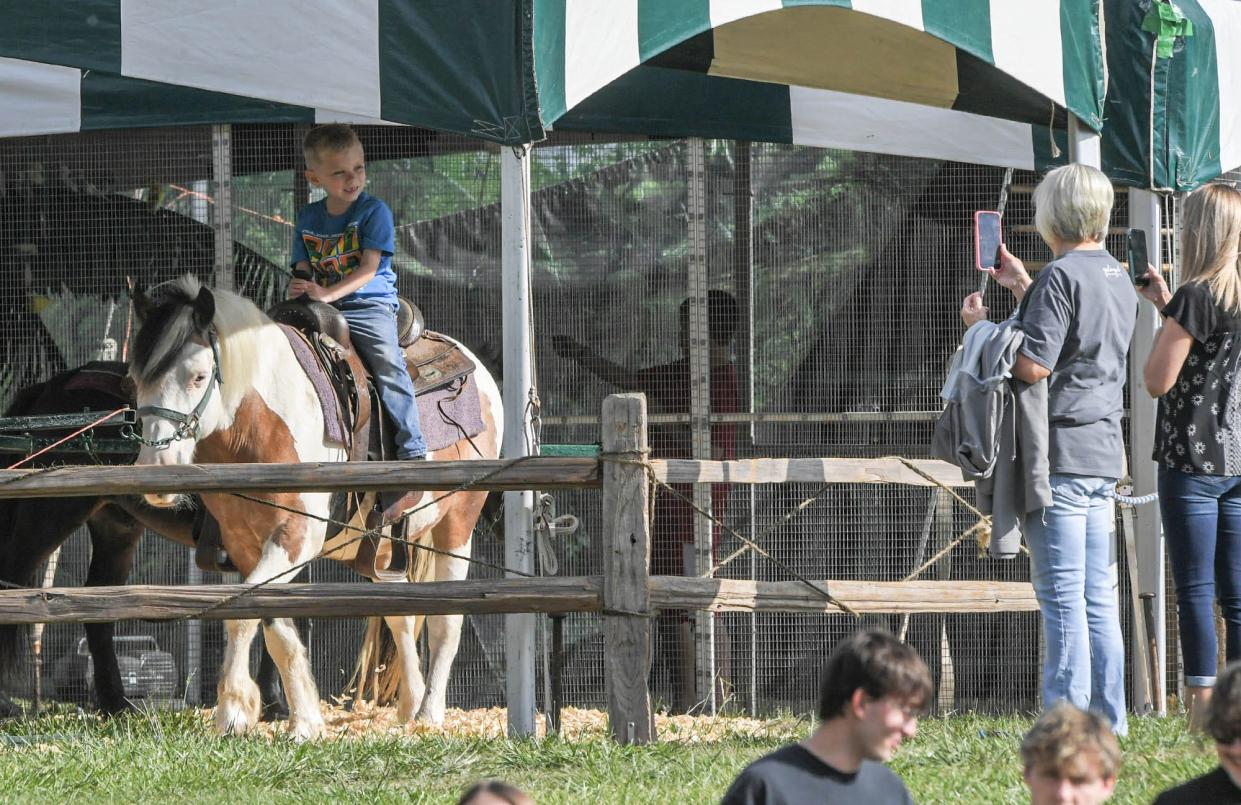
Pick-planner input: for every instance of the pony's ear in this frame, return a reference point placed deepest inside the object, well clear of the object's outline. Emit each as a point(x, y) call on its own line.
point(143, 304)
point(204, 309)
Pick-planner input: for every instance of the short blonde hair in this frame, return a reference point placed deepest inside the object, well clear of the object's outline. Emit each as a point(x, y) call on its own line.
point(331, 137)
point(1210, 242)
point(1073, 204)
point(1064, 740)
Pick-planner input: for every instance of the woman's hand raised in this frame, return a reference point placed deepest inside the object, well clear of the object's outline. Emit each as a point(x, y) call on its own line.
point(1011, 273)
point(1156, 288)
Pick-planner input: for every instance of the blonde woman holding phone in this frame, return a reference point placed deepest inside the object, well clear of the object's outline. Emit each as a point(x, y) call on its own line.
point(1192, 369)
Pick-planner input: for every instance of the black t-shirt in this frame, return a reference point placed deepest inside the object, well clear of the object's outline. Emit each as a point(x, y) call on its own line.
point(792, 775)
point(1198, 417)
point(1214, 788)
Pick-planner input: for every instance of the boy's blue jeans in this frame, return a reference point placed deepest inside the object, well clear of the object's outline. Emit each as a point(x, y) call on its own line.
point(372, 328)
point(1073, 568)
point(1202, 523)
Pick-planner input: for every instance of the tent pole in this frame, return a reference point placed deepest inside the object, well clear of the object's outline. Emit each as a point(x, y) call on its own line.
point(1084, 144)
point(1145, 214)
point(700, 413)
point(743, 289)
point(518, 383)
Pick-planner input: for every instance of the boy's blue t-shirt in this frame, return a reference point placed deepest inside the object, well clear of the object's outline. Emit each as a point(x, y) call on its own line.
point(333, 244)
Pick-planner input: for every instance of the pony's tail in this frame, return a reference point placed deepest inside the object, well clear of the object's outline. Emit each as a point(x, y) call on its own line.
point(377, 671)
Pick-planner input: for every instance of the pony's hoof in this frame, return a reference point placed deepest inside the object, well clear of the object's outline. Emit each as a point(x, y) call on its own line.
point(305, 729)
point(430, 715)
point(237, 711)
point(231, 722)
point(408, 705)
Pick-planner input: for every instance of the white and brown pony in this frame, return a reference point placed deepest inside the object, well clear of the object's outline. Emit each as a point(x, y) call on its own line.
point(218, 383)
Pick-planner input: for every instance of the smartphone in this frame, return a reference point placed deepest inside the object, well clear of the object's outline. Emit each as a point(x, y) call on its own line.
point(1138, 260)
point(987, 239)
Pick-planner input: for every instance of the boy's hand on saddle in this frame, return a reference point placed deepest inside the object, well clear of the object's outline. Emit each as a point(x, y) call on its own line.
point(300, 287)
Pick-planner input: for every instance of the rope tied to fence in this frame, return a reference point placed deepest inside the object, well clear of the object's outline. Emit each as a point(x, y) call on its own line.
point(983, 526)
point(641, 458)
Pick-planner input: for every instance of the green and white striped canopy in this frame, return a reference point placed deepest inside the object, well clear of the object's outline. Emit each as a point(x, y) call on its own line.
point(975, 80)
point(453, 65)
point(986, 81)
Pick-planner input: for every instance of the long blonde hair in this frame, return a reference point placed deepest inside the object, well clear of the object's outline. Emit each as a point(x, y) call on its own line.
point(1211, 243)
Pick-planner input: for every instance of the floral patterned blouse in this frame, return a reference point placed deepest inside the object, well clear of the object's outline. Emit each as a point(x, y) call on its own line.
point(1199, 425)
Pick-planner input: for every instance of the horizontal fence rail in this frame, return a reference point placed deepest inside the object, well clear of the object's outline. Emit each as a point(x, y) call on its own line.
point(542, 472)
point(821, 470)
point(497, 596)
point(537, 472)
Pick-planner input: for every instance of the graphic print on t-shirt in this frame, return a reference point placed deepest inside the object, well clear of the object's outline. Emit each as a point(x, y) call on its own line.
point(333, 257)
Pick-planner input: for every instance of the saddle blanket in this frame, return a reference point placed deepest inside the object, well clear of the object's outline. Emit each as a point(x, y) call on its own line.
point(447, 414)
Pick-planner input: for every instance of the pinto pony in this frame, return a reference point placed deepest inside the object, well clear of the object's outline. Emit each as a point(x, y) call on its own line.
point(217, 382)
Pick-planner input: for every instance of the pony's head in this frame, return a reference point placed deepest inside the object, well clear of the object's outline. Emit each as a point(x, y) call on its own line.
point(194, 358)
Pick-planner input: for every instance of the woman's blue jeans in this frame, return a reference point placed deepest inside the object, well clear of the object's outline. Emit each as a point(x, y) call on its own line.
point(1073, 567)
point(1202, 525)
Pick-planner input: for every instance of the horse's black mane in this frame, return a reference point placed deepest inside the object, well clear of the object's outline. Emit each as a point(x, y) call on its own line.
point(165, 330)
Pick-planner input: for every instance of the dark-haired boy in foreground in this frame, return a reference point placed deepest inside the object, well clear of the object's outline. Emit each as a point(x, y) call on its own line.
point(872, 691)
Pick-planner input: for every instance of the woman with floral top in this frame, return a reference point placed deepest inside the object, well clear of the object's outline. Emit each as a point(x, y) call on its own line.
point(1193, 370)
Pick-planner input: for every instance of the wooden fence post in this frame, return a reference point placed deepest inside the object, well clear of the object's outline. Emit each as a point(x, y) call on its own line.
point(626, 569)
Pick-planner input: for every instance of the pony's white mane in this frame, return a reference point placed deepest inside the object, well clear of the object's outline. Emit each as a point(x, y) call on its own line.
point(239, 325)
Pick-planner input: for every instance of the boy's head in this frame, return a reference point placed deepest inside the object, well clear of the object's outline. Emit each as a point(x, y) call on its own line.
point(335, 161)
point(1224, 720)
point(879, 686)
point(1070, 756)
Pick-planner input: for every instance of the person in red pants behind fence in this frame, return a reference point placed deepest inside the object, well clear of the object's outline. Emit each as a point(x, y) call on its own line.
point(667, 389)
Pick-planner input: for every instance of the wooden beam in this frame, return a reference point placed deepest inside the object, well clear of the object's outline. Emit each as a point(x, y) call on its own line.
point(885, 597)
point(818, 470)
point(626, 570)
point(151, 602)
point(490, 596)
point(537, 472)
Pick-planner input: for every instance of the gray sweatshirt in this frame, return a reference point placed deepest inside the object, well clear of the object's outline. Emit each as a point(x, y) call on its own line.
point(995, 429)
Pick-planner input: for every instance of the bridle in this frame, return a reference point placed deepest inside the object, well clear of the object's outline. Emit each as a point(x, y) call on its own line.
point(187, 424)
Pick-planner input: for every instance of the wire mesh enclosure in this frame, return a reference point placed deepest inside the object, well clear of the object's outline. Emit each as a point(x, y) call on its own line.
point(845, 270)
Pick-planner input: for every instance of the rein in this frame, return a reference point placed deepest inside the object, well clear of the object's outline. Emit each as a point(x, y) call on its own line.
point(187, 424)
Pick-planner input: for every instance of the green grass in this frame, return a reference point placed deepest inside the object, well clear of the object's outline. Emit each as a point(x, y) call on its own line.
point(173, 757)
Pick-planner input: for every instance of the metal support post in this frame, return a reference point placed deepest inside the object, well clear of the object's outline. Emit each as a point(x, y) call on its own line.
point(519, 643)
point(1145, 214)
point(1085, 145)
point(700, 410)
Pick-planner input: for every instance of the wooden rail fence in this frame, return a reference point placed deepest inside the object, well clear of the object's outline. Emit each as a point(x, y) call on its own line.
point(625, 594)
